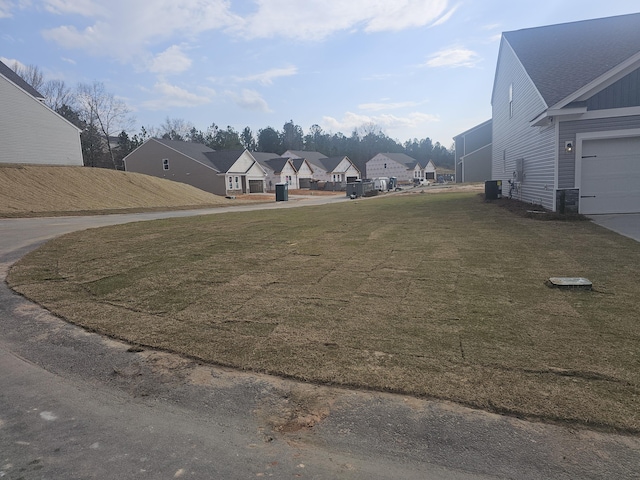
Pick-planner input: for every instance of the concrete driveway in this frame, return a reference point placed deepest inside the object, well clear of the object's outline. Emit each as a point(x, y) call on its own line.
point(627, 224)
point(74, 404)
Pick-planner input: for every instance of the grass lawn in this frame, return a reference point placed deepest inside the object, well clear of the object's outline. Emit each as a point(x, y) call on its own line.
point(441, 296)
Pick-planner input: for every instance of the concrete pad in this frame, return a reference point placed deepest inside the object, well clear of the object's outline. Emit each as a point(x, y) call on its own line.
point(627, 224)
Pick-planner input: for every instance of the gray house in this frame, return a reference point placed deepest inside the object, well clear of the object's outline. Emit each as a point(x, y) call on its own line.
point(473, 154)
point(225, 172)
point(31, 132)
point(566, 115)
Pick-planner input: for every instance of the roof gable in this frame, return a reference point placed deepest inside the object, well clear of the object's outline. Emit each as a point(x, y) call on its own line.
point(561, 59)
point(299, 163)
point(224, 160)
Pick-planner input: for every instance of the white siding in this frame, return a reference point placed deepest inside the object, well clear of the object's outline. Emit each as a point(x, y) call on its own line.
point(514, 138)
point(305, 171)
point(244, 162)
point(33, 133)
point(383, 166)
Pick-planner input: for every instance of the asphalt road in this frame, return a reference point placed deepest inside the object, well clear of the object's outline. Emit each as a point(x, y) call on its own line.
point(75, 405)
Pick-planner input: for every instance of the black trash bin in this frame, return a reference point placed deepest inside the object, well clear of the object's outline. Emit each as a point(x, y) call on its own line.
point(282, 192)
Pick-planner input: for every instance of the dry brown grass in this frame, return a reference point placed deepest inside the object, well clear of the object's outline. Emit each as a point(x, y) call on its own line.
point(29, 190)
point(441, 296)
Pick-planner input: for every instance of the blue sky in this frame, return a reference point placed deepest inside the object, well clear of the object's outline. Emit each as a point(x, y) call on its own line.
point(414, 68)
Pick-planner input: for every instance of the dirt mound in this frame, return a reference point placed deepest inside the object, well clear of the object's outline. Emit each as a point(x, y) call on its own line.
point(32, 190)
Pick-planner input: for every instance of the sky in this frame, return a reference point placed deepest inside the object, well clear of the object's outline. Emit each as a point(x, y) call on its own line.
point(412, 68)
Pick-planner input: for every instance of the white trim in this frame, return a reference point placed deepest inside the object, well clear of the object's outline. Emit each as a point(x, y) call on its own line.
point(556, 165)
point(611, 112)
point(562, 114)
point(567, 115)
point(580, 137)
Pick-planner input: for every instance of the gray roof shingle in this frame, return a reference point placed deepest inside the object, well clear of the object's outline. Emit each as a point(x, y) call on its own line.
point(561, 59)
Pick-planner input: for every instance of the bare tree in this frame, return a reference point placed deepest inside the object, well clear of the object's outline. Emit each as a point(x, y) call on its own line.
point(175, 129)
point(57, 94)
point(30, 74)
point(102, 111)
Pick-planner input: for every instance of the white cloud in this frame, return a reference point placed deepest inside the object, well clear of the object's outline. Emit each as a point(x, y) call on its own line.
point(453, 57)
point(86, 8)
point(317, 19)
point(10, 62)
point(266, 78)
point(445, 18)
point(399, 15)
point(5, 8)
point(172, 60)
point(351, 121)
point(376, 107)
point(173, 96)
point(250, 100)
point(127, 36)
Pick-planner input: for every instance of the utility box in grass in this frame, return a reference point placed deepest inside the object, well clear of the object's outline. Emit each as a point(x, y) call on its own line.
point(282, 192)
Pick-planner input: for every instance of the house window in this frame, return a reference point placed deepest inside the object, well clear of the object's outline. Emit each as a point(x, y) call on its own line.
point(165, 164)
point(230, 183)
point(237, 183)
point(385, 165)
point(511, 100)
point(289, 180)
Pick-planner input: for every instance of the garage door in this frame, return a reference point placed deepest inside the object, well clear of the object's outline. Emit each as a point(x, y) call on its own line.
point(255, 186)
point(610, 178)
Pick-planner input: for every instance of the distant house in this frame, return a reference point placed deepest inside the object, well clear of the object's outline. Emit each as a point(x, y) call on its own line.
point(430, 172)
point(304, 170)
point(405, 168)
point(225, 172)
point(31, 132)
point(566, 115)
point(473, 154)
point(278, 170)
point(337, 170)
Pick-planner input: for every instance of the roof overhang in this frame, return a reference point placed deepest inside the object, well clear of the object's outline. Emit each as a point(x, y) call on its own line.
point(554, 114)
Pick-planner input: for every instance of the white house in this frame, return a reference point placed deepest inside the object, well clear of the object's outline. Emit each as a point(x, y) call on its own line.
point(566, 115)
point(304, 172)
point(31, 132)
point(339, 170)
point(278, 170)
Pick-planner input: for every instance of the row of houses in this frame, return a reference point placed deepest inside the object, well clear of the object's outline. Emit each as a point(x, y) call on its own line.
point(237, 172)
point(565, 125)
point(220, 172)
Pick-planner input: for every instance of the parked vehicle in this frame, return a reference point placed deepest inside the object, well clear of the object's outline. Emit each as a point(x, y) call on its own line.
point(381, 183)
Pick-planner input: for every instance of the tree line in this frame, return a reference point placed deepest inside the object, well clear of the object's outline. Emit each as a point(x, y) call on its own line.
point(105, 121)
